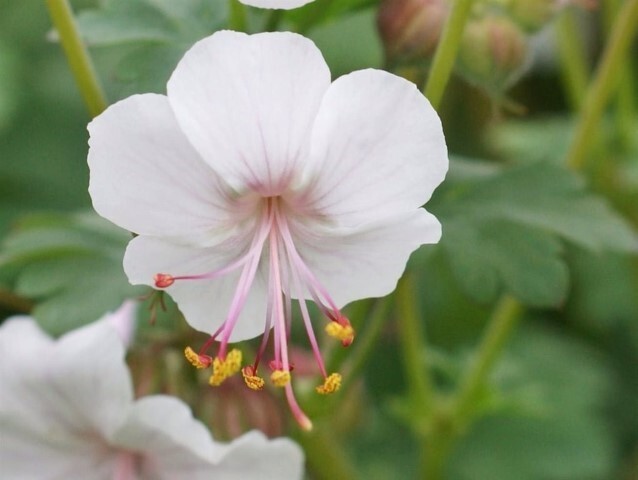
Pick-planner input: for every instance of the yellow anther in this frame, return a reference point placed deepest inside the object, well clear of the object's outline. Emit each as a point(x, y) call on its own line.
point(331, 384)
point(345, 333)
point(196, 360)
point(280, 378)
point(222, 369)
point(254, 382)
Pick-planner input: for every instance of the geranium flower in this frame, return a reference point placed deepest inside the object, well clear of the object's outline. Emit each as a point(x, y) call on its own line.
point(281, 4)
point(256, 181)
point(67, 412)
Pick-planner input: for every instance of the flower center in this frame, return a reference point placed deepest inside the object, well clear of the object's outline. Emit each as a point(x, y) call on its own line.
point(288, 277)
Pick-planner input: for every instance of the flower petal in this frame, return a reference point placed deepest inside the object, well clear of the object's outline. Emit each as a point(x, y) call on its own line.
point(88, 380)
point(60, 400)
point(283, 4)
point(253, 456)
point(22, 346)
point(31, 452)
point(145, 176)
point(365, 262)
point(377, 149)
point(175, 445)
point(247, 104)
point(204, 303)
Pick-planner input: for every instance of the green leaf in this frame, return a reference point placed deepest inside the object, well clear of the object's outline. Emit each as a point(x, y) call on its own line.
point(486, 255)
point(565, 437)
point(323, 11)
point(147, 37)
point(357, 31)
point(501, 229)
point(71, 265)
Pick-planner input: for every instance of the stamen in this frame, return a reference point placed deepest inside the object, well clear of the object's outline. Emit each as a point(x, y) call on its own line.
point(253, 381)
point(343, 332)
point(331, 384)
point(301, 418)
point(197, 360)
point(222, 369)
point(163, 280)
point(280, 378)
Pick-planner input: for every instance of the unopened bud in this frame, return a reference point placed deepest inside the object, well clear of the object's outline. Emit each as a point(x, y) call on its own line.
point(410, 29)
point(493, 52)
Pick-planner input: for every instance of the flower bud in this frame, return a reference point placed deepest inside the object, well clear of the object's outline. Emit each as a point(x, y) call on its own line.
point(410, 29)
point(493, 52)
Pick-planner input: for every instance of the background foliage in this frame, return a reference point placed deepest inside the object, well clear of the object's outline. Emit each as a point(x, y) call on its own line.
point(560, 399)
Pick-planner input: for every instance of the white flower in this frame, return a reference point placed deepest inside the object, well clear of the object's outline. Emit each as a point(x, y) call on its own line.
point(67, 412)
point(282, 4)
point(256, 181)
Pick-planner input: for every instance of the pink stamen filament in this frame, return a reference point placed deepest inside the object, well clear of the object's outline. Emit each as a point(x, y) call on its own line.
point(281, 353)
point(315, 288)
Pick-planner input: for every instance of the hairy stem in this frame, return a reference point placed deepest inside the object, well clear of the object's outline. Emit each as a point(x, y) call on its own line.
point(603, 83)
point(412, 344)
point(77, 56)
point(446, 52)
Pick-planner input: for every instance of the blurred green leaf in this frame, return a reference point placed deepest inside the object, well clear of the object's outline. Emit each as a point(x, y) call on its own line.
point(501, 229)
point(566, 437)
point(70, 265)
point(148, 37)
point(322, 11)
point(350, 42)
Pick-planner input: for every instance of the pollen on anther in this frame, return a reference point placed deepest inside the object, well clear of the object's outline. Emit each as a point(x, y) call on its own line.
point(224, 368)
point(196, 360)
point(331, 384)
point(252, 381)
point(280, 378)
point(345, 333)
point(163, 280)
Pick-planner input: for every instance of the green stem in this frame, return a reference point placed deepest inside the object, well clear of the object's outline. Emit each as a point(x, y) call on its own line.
point(452, 415)
point(77, 56)
point(573, 61)
point(500, 326)
point(603, 83)
point(366, 341)
point(325, 456)
point(237, 19)
point(273, 17)
point(446, 52)
point(412, 344)
point(625, 101)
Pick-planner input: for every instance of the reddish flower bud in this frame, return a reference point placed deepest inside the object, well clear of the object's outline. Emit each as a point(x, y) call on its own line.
point(493, 52)
point(410, 29)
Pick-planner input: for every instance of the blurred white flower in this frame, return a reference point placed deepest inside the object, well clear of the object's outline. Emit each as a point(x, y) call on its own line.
point(282, 4)
point(67, 412)
point(256, 181)
point(123, 320)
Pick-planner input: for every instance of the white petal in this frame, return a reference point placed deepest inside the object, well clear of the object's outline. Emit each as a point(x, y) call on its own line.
point(123, 321)
point(40, 452)
point(23, 346)
point(366, 262)
point(247, 103)
point(145, 176)
point(58, 401)
point(377, 149)
point(254, 457)
point(87, 381)
point(283, 4)
point(172, 443)
point(204, 303)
